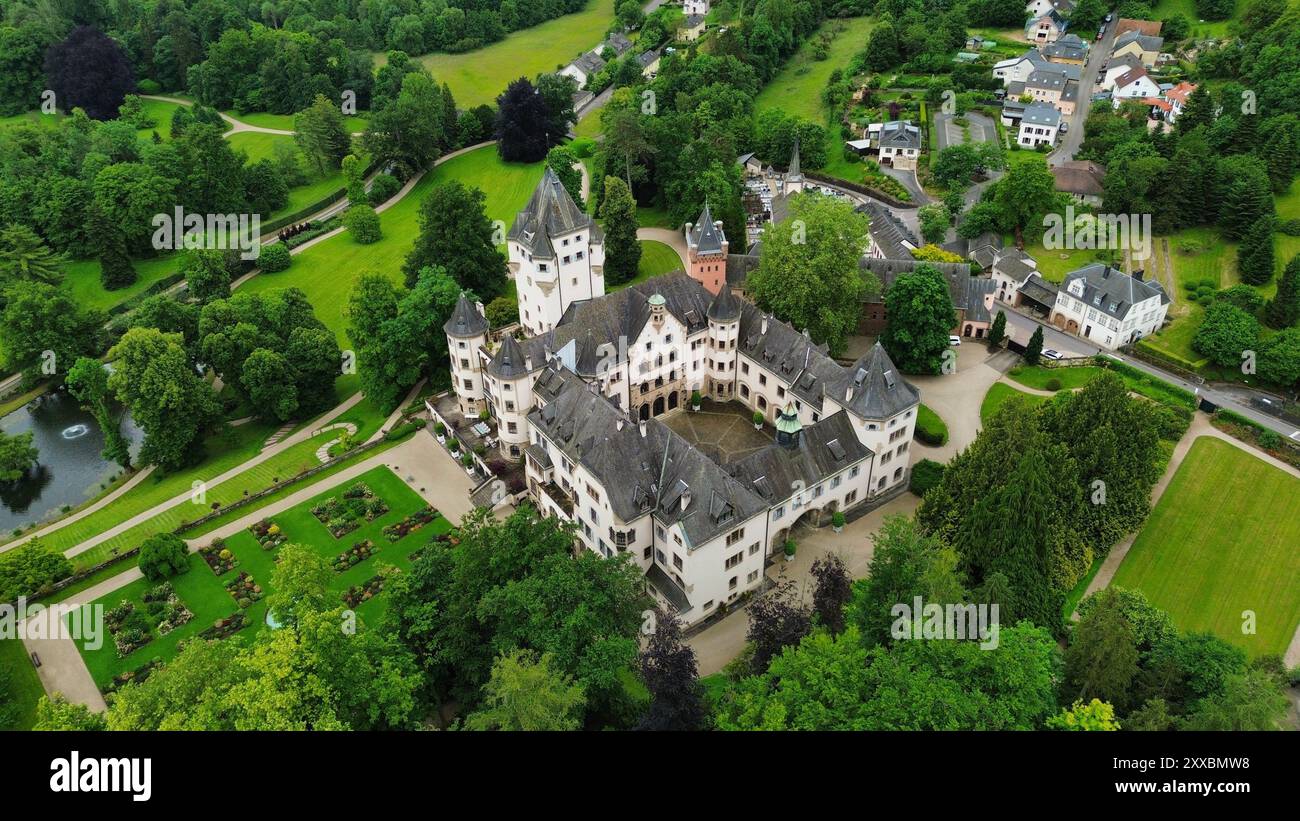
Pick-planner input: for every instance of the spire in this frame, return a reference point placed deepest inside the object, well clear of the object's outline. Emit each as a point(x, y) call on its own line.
point(794, 173)
point(706, 236)
point(725, 306)
point(509, 362)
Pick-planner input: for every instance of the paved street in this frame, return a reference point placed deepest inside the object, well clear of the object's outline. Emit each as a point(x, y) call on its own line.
point(1098, 51)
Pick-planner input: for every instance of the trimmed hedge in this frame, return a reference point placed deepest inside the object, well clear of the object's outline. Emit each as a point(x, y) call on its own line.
point(926, 474)
point(930, 429)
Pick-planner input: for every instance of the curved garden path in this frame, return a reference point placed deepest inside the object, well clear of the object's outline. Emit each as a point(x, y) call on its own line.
point(673, 239)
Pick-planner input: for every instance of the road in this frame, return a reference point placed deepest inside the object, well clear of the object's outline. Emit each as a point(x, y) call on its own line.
point(1098, 51)
point(1230, 397)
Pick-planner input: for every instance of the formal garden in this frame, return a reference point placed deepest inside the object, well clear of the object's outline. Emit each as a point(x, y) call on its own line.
point(1220, 548)
point(224, 592)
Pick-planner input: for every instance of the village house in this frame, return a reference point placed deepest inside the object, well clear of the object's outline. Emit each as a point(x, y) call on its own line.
point(1115, 68)
point(584, 68)
point(1081, 179)
point(618, 43)
point(1018, 69)
point(1039, 125)
point(1070, 49)
point(1135, 84)
point(1046, 28)
point(692, 28)
point(1053, 86)
point(1177, 97)
point(1109, 307)
point(1037, 8)
point(649, 62)
point(700, 7)
point(1145, 47)
point(900, 144)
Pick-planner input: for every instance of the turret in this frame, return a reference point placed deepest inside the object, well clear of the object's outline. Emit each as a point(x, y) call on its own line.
point(467, 331)
point(706, 252)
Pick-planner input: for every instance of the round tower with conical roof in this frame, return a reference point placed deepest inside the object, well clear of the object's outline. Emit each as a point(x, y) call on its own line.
point(467, 331)
point(724, 333)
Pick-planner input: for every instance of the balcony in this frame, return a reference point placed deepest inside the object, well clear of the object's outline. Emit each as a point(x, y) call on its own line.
point(561, 499)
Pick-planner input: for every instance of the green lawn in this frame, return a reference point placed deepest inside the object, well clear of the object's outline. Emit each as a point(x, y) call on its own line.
point(1036, 376)
point(260, 146)
point(81, 279)
point(284, 122)
point(206, 596)
point(160, 111)
point(327, 271)
point(477, 77)
point(999, 395)
point(797, 87)
point(257, 145)
point(1187, 8)
point(656, 258)
point(932, 425)
point(1223, 540)
point(25, 685)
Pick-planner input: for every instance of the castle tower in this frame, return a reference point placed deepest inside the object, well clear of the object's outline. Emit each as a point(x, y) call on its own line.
point(511, 388)
point(724, 336)
point(467, 330)
point(557, 256)
point(706, 252)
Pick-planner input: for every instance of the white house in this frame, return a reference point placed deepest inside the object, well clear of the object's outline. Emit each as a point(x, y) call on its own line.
point(1037, 8)
point(700, 7)
point(584, 68)
point(1177, 97)
point(556, 256)
point(900, 143)
point(1109, 307)
point(1039, 125)
point(1046, 28)
point(1018, 69)
point(1135, 84)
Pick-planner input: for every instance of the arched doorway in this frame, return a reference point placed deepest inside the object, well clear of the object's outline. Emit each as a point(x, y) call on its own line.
point(645, 412)
point(968, 331)
point(672, 400)
point(659, 406)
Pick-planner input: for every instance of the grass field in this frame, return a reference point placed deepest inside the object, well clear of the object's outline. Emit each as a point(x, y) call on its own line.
point(206, 596)
point(326, 272)
point(656, 258)
point(1223, 540)
point(1001, 393)
point(261, 146)
point(477, 77)
point(25, 685)
point(284, 122)
point(797, 87)
point(1036, 376)
point(1187, 8)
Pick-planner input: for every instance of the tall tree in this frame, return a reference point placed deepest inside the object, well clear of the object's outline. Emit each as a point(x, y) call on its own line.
point(921, 318)
point(523, 129)
point(809, 274)
point(17, 455)
point(1255, 254)
point(321, 134)
point(778, 619)
point(1034, 349)
point(89, 70)
point(831, 592)
point(456, 235)
point(1102, 660)
point(526, 693)
point(43, 330)
point(1283, 309)
point(564, 163)
point(1026, 192)
point(671, 674)
point(408, 133)
point(87, 381)
point(998, 330)
point(25, 258)
point(622, 248)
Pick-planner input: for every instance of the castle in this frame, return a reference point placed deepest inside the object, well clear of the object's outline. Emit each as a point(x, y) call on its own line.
point(579, 396)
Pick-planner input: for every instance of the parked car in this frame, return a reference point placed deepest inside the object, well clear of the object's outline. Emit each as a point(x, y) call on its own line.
point(1065, 126)
point(1100, 33)
point(1108, 16)
point(954, 340)
point(1051, 354)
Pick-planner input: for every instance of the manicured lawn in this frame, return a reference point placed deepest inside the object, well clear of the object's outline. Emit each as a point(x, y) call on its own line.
point(1187, 8)
point(656, 258)
point(797, 87)
point(283, 465)
point(81, 279)
point(26, 685)
point(327, 271)
point(1223, 540)
point(261, 146)
point(999, 395)
point(257, 144)
point(477, 77)
point(1036, 376)
point(284, 122)
point(206, 596)
point(160, 111)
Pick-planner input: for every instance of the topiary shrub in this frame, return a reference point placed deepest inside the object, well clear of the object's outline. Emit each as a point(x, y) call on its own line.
point(1053, 384)
point(274, 258)
point(363, 224)
point(383, 189)
point(163, 555)
point(926, 474)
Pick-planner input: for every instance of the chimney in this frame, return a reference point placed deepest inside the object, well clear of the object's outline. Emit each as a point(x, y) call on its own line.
point(762, 328)
point(592, 387)
point(686, 498)
point(641, 426)
point(528, 363)
point(478, 306)
point(806, 335)
point(618, 423)
point(848, 393)
point(1139, 273)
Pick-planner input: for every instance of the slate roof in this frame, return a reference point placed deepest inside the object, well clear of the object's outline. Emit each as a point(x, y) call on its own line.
point(725, 307)
point(1033, 55)
point(1039, 290)
point(1014, 268)
point(976, 310)
point(646, 58)
point(823, 449)
point(900, 134)
point(706, 236)
point(619, 42)
point(1146, 42)
point(1129, 77)
point(739, 267)
point(1055, 16)
point(645, 472)
point(873, 388)
point(510, 361)
point(888, 232)
point(794, 172)
point(1044, 114)
point(465, 320)
point(957, 275)
point(550, 212)
point(1112, 291)
point(1047, 78)
point(694, 20)
point(589, 63)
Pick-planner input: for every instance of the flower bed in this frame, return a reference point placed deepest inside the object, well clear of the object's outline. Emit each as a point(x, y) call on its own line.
point(224, 628)
point(137, 676)
point(410, 524)
point(354, 555)
point(363, 593)
point(244, 590)
point(268, 534)
point(133, 627)
point(343, 514)
point(221, 560)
